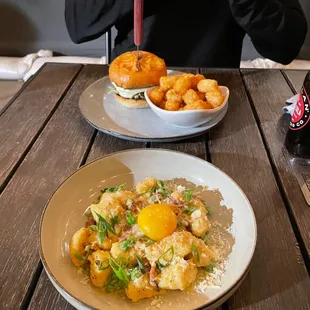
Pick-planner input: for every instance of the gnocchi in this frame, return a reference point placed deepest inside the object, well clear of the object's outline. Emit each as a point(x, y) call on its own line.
point(145, 240)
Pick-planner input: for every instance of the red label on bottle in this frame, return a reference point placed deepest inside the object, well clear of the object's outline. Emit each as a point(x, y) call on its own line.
point(301, 115)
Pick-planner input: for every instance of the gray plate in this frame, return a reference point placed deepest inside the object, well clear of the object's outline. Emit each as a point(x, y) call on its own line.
point(103, 112)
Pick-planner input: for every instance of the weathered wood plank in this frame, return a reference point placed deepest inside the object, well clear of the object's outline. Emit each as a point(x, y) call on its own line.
point(45, 295)
point(195, 146)
point(296, 77)
point(24, 119)
point(57, 152)
point(269, 91)
point(278, 278)
point(24, 86)
point(105, 144)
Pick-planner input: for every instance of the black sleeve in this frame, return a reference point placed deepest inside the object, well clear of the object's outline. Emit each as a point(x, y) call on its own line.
point(277, 28)
point(87, 20)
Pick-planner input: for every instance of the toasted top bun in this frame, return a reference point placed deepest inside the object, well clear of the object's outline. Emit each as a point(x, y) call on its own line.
point(137, 69)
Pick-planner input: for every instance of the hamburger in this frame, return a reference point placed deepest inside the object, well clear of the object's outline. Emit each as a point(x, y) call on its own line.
point(131, 73)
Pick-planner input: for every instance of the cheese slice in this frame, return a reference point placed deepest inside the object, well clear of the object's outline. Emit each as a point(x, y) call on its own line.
point(128, 93)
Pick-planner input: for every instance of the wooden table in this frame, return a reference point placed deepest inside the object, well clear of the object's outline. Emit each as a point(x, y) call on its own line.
point(43, 139)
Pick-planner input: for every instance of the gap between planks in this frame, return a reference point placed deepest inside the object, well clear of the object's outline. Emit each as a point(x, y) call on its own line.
point(34, 139)
point(280, 185)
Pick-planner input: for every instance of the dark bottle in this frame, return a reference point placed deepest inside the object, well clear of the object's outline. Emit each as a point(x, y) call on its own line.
point(297, 139)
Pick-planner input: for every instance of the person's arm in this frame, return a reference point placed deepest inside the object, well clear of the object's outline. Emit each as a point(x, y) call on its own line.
point(87, 20)
point(276, 28)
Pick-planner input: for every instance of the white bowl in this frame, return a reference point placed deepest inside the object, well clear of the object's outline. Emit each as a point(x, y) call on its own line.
point(190, 118)
point(63, 215)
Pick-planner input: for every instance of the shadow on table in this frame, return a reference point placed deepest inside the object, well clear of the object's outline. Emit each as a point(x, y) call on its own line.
point(277, 275)
point(17, 32)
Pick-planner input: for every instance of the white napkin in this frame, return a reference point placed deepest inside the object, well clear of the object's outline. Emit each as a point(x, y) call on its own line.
point(290, 104)
point(14, 68)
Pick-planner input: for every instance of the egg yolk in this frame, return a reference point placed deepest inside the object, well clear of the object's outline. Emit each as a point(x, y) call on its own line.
point(157, 221)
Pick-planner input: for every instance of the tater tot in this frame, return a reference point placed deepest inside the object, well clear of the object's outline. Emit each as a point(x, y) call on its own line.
point(172, 105)
point(214, 98)
point(206, 85)
point(167, 82)
point(198, 105)
point(182, 105)
point(162, 104)
point(201, 95)
point(157, 96)
point(173, 96)
point(190, 96)
point(182, 85)
point(191, 75)
point(196, 79)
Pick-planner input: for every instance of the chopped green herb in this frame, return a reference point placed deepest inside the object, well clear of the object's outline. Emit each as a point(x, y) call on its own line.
point(140, 264)
point(127, 244)
point(113, 283)
point(210, 267)
point(205, 238)
point(78, 256)
point(87, 248)
point(179, 224)
point(161, 189)
point(113, 189)
point(102, 228)
point(114, 220)
point(130, 218)
point(102, 265)
point(101, 236)
point(106, 225)
point(209, 211)
point(188, 194)
point(150, 242)
point(160, 183)
point(120, 271)
point(93, 227)
point(153, 190)
point(165, 259)
point(195, 253)
point(189, 210)
point(135, 273)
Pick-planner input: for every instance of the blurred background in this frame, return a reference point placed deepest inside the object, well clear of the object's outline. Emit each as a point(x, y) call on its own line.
point(27, 26)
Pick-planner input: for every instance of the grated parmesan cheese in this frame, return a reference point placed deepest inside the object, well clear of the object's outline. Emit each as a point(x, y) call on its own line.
point(213, 279)
point(180, 188)
point(85, 280)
